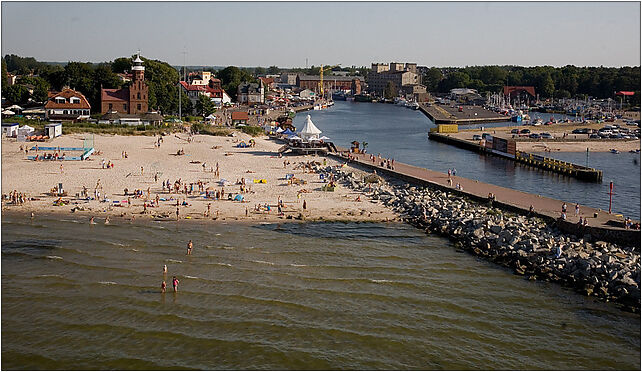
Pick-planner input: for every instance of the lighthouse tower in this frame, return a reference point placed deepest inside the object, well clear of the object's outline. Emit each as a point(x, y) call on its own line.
point(138, 88)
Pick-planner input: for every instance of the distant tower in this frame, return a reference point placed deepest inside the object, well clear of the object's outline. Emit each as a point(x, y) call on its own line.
point(138, 88)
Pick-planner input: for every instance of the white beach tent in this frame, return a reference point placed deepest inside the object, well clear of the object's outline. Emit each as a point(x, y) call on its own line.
point(309, 130)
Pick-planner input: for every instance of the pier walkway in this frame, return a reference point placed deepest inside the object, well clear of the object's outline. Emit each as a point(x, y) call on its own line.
point(608, 227)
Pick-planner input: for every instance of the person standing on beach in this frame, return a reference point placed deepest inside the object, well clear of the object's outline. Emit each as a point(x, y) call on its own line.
point(177, 212)
point(577, 209)
point(190, 246)
point(564, 208)
point(175, 284)
point(305, 205)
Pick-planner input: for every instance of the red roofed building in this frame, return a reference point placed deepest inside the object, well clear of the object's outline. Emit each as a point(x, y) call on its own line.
point(519, 92)
point(212, 90)
point(268, 82)
point(129, 100)
point(67, 105)
point(240, 117)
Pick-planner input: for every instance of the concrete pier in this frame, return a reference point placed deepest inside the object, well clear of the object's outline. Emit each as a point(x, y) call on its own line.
point(532, 160)
point(602, 225)
point(444, 114)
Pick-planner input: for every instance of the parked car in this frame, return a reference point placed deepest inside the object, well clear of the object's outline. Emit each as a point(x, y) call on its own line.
point(515, 131)
point(525, 131)
point(485, 135)
point(546, 135)
point(477, 137)
point(580, 131)
point(534, 136)
point(594, 135)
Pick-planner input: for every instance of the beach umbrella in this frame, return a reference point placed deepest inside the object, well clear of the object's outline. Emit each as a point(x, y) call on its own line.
point(280, 130)
point(294, 137)
point(287, 132)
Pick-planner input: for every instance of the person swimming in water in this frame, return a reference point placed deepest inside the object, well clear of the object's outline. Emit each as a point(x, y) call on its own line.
point(91, 221)
point(107, 220)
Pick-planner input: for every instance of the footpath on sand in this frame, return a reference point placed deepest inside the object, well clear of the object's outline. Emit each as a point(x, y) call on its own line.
point(601, 224)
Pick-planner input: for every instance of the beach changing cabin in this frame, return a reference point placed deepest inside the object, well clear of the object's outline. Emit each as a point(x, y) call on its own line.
point(10, 129)
point(53, 130)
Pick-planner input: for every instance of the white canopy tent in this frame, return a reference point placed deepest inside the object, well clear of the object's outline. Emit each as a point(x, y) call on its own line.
point(309, 130)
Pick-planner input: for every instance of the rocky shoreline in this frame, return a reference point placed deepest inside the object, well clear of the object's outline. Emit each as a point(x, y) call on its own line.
point(528, 245)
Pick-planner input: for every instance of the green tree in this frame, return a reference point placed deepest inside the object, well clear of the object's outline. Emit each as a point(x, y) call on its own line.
point(231, 77)
point(273, 70)
point(390, 91)
point(17, 94)
point(455, 79)
point(259, 71)
point(432, 78)
point(120, 65)
point(162, 79)
point(5, 74)
point(40, 90)
point(547, 86)
point(204, 106)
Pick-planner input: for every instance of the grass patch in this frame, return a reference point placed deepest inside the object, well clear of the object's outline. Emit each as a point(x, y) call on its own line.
point(253, 130)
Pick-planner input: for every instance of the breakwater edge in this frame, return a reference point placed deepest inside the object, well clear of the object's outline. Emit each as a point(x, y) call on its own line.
point(529, 246)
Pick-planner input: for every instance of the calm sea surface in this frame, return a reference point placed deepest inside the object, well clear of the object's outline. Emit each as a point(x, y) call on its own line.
point(401, 133)
point(291, 296)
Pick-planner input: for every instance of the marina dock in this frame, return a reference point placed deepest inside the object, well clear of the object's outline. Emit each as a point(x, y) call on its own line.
point(444, 114)
point(532, 160)
point(602, 225)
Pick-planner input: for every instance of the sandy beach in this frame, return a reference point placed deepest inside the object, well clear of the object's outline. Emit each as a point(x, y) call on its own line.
point(145, 161)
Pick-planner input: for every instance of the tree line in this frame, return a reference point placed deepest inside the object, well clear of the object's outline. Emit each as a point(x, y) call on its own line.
point(89, 78)
point(549, 82)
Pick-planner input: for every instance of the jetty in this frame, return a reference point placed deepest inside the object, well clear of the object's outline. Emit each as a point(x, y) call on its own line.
point(536, 161)
point(444, 114)
point(601, 224)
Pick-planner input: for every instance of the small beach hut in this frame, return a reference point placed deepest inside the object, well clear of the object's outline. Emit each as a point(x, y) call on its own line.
point(10, 129)
point(53, 130)
point(287, 132)
point(309, 130)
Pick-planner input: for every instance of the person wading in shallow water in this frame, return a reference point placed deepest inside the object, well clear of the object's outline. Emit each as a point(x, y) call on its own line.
point(190, 245)
point(175, 284)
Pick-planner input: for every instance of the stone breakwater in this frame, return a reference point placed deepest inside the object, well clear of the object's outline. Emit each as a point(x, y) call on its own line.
point(529, 246)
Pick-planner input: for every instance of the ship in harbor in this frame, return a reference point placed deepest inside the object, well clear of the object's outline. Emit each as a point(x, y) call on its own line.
point(363, 98)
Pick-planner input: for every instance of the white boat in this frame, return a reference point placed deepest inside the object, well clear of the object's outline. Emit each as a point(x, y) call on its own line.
point(537, 122)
